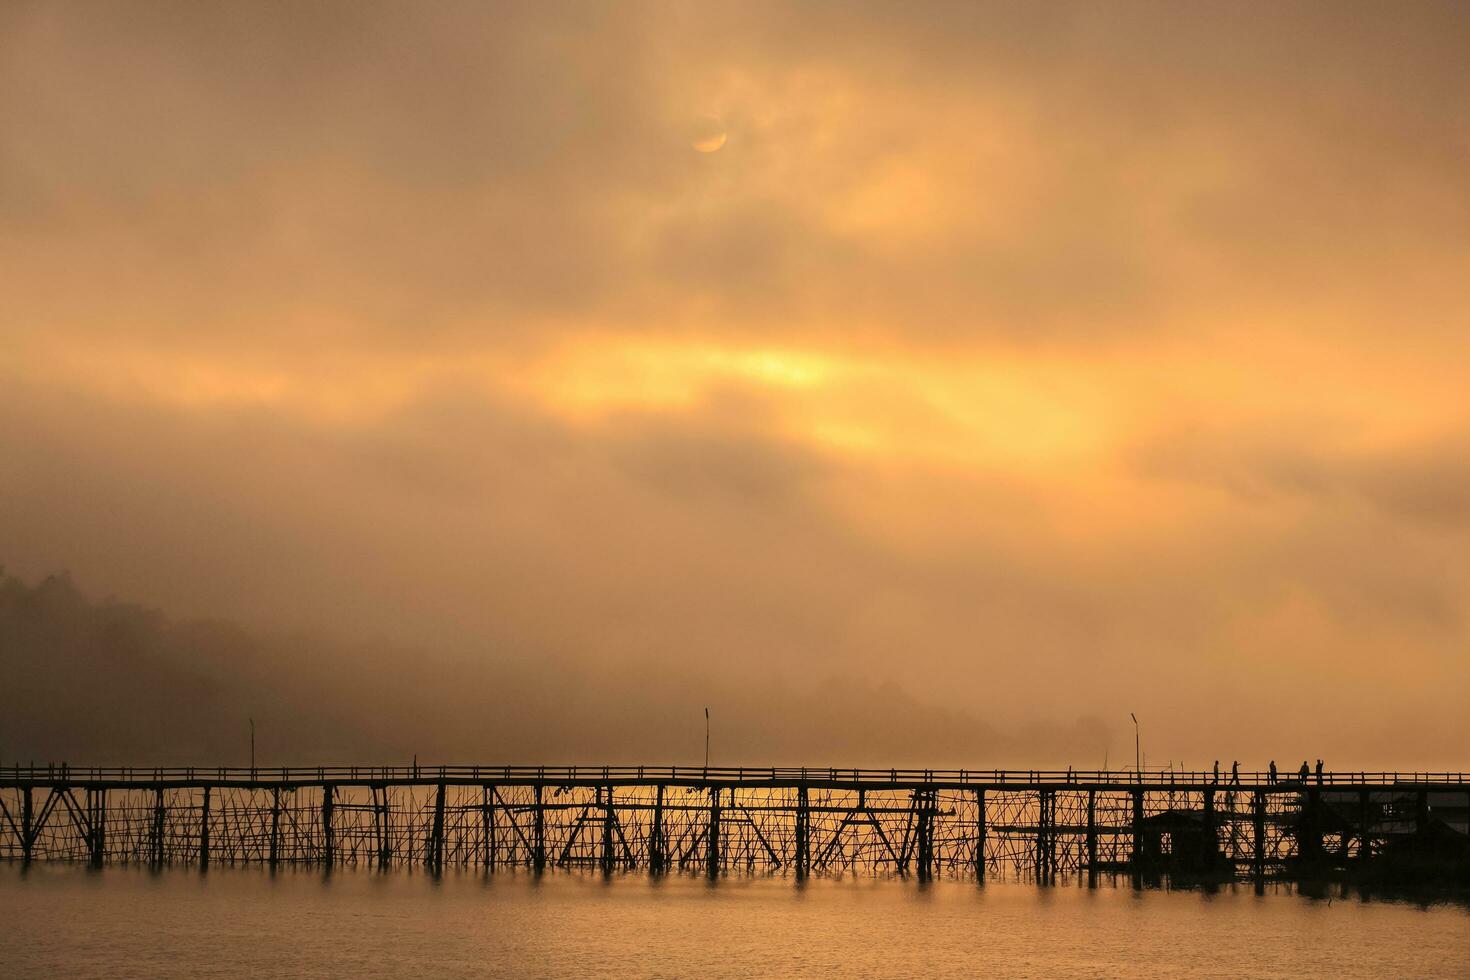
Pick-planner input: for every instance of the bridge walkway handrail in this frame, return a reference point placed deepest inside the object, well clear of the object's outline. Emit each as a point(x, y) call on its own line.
point(729, 775)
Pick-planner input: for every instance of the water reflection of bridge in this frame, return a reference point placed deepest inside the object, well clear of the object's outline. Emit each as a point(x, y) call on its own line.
point(924, 822)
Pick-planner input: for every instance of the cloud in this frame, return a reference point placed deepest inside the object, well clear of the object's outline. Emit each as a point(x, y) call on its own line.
point(1425, 482)
point(469, 179)
point(1038, 361)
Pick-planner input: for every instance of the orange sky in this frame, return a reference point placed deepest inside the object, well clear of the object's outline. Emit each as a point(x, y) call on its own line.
point(1047, 361)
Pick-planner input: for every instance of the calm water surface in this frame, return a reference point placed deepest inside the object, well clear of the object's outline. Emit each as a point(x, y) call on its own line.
point(63, 921)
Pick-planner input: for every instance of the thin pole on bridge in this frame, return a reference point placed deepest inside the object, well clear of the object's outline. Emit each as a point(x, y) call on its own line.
point(1137, 750)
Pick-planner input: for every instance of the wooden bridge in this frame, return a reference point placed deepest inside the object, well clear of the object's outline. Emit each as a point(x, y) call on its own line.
point(979, 823)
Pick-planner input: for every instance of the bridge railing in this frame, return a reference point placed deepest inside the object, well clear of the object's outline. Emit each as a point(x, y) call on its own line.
point(736, 775)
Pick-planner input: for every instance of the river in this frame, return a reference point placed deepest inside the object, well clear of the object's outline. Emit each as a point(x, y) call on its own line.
point(61, 920)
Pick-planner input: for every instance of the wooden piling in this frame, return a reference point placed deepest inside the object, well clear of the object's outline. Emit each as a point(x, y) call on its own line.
point(803, 832)
point(656, 848)
point(608, 823)
point(979, 857)
point(328, 842)
point(1051, 834)
point(382, 826)
point(97, 801)
point(1309, 829)
point(924, 830)
point(273, 854)
point(1210, 839)
point(538, 852)
point(27, 823)
point(1135, 855)
point(1258, 811)
point(487, 828)
point(157, 835)
point(435, 856)
point(204, 831)
point(712, 837)
point(1365, 838)
point(1043, 821)
point(1092, 835)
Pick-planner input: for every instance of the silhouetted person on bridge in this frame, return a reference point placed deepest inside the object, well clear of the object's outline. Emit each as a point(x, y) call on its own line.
point(1305, 772)
point(1319, 772)
point(1271, 776)
point(1235, 773)
point(1217, 772)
